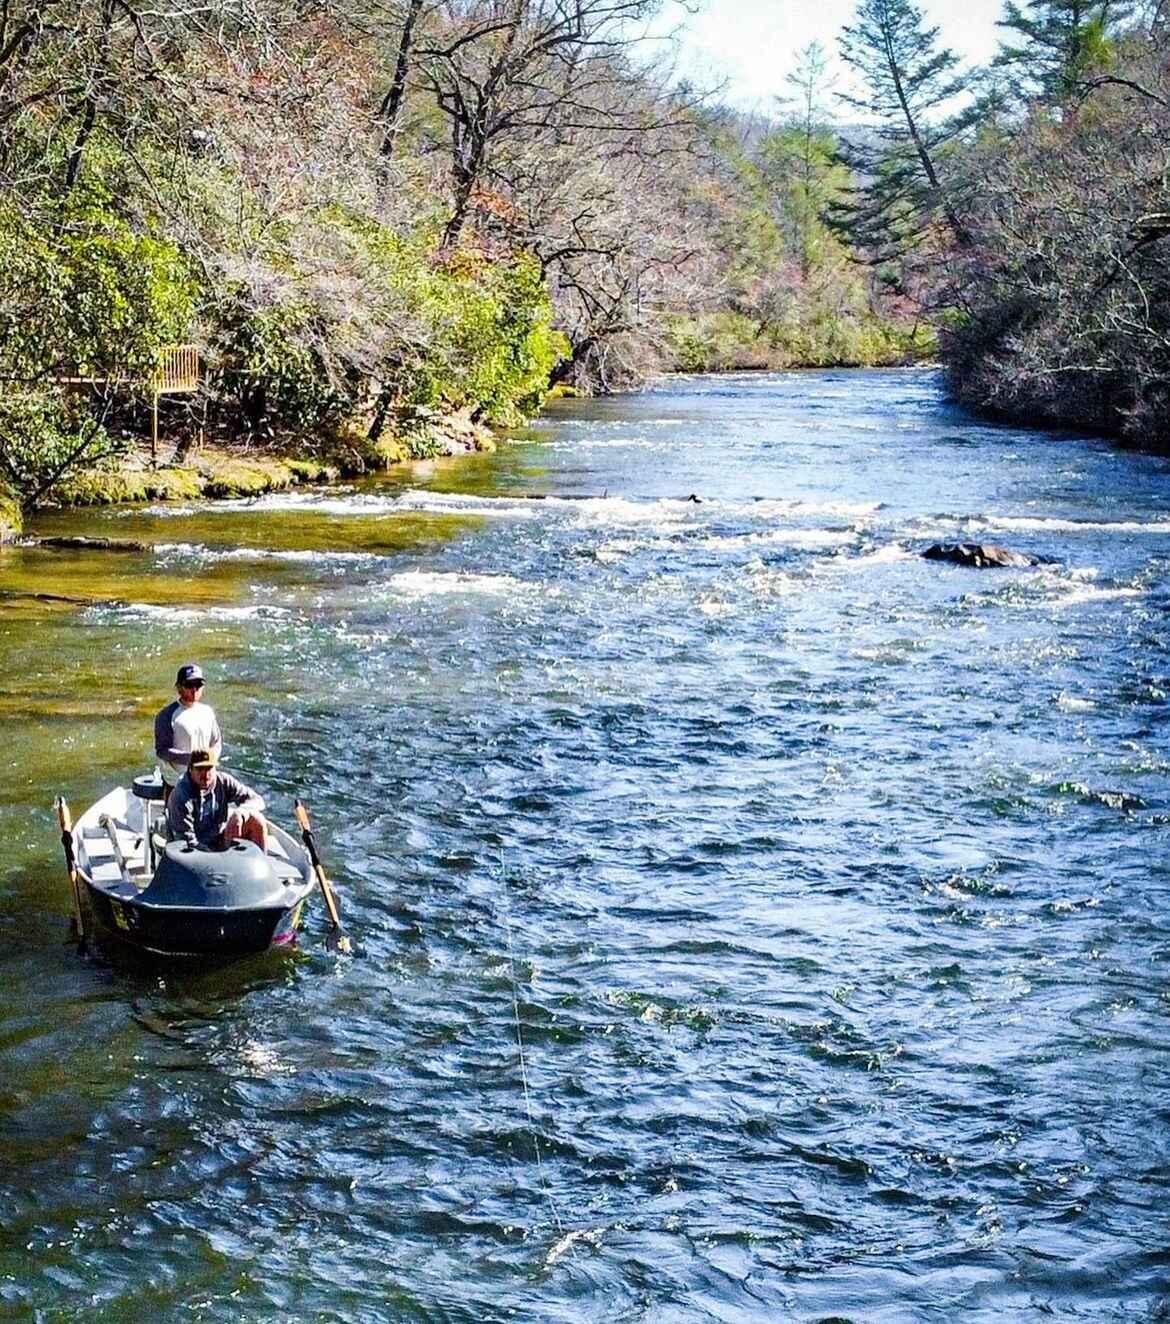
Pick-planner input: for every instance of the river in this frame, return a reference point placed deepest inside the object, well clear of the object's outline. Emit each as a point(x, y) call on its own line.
point(754, 921)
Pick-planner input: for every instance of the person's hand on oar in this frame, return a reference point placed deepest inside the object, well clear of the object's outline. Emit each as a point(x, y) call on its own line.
point(338, 941)
point(71, 867)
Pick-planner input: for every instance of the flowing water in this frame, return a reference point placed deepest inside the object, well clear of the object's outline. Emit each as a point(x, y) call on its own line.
point(754, 921)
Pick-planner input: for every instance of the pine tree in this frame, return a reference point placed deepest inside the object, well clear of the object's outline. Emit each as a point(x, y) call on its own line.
point(806, 150)
point(908, 81)
point(1052, 44)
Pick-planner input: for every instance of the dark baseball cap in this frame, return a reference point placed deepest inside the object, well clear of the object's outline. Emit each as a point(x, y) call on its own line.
point(204, 758)
point(189, 674)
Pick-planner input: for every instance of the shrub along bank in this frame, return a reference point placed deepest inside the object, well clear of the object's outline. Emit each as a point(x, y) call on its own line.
point(305, 375)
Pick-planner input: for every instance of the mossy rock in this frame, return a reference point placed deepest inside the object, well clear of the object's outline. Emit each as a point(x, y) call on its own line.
point(177, 484)
point(11, 520)
point(312, 471)
point(101, 487)
point(224, 477)
point(112, 487)
point(348, 453)
point(429, 436)
point(389, 450)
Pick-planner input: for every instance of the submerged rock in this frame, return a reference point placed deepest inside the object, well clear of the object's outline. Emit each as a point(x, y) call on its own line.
point(978, 555)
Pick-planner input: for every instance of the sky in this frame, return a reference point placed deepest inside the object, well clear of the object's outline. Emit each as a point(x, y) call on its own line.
point(753, 43)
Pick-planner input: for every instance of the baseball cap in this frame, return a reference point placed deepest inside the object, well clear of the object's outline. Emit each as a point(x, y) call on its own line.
point(204, 758)
point(189, 674)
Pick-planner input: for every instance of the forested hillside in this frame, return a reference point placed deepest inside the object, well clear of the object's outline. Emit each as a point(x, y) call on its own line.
point(359, 209)
point(1061, 296)
point(1031, 200)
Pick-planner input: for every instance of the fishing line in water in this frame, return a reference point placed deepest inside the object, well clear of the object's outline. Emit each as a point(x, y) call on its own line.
point(545, 1187)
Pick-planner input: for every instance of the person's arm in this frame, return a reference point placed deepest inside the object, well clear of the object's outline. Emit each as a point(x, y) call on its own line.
point(241, 797)
point(164, 733)
point(216, 735)
point(181, 817)
point(164, 739)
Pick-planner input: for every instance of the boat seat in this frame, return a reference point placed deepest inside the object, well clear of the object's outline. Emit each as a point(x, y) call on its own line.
point(99, 853)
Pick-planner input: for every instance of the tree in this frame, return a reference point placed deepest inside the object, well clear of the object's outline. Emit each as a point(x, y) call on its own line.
point(86, 304)
point(814, 183)
point(908, 83)
point(1064, 292)
point(518, 70)
point(390, 111)
point(1054, 44)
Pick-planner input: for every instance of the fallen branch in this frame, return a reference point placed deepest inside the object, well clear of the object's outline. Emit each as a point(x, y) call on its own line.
point(79, 543)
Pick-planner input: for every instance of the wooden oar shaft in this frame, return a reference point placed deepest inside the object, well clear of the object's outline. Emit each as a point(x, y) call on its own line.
point(327, 893)
point(302, 817)
point(66, 822)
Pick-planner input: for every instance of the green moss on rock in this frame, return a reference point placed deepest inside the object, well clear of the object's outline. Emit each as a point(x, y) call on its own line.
point(312, 471)
point(225, 477)
point(348, 453)
point(388, 451)
point(109, 487)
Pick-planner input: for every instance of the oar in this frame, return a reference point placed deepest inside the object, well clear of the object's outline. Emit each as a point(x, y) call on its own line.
point(112, 832)
point(71, 866)
point(338, 940)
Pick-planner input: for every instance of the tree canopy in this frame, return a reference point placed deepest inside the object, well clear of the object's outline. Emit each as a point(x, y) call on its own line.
point(356, 209)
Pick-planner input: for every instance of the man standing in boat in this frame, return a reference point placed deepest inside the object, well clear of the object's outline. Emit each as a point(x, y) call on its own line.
point(211, 809)
point(185, 724)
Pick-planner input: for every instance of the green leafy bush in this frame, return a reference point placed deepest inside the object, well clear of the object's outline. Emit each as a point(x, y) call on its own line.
point(493, 343)
point(455, 333)
point(84, 294)
point(42, 436)
point(274, 364)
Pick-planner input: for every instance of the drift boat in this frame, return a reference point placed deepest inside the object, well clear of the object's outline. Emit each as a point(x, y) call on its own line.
point(170, 899)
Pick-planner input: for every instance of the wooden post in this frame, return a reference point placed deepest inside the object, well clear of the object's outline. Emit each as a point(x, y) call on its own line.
point(154, 429)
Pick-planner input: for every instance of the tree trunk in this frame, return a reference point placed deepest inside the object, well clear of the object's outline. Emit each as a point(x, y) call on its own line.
point(99, 75)
point(958, 229)
point(391, 108)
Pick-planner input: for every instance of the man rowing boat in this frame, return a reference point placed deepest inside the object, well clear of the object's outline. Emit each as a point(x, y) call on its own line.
point(186, 723)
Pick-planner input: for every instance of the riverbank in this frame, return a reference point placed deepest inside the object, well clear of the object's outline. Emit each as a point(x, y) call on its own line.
point(223, 470)
point(732, 342)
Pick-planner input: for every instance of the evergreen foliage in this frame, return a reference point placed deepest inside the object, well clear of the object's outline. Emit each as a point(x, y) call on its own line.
point(1053, 45)
point(908, 82)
